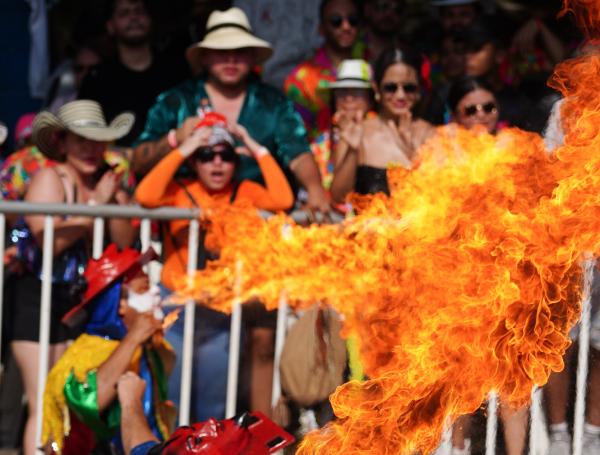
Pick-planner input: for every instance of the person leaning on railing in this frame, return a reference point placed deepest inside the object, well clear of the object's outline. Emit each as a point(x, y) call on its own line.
point(210, 152)
point(77, 138)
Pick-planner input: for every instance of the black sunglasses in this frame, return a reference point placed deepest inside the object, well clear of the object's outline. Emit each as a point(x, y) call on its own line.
point(392, 87)
point(472, 109)
point(206, 155)
point(336, 20)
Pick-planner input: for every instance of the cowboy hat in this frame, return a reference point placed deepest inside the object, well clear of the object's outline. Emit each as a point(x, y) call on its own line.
point(101, 273)
point(83, 118)
point(353, 73)
point(228, 30)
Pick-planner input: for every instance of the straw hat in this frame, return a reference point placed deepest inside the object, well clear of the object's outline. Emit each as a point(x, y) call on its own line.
point(355, 73)
point(82, 117)
point(227, 30)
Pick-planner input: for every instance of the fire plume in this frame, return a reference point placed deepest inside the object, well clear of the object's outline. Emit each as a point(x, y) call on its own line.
point(466, 280)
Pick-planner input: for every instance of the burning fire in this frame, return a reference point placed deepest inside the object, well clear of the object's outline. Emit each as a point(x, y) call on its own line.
point(465, 280)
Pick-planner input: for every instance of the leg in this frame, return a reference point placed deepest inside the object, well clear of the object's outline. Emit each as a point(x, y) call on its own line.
point(26, 355)
point(261, 368)
point(593, 396)
point(556, 392)
point(515, 428)
point(461, 432)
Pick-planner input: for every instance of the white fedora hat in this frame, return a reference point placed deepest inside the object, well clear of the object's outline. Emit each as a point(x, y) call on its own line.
point(353, 73)
point(82, 117)
point(227, 30)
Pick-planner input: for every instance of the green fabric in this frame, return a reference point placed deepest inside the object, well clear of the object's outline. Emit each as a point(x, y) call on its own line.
point(267, 114)
point(82, 399)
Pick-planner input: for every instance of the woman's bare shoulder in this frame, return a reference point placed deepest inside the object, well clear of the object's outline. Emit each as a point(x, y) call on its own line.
point(45, 185)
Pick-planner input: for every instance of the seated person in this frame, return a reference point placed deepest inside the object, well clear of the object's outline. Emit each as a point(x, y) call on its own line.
point(211, 154)
point(123, 333)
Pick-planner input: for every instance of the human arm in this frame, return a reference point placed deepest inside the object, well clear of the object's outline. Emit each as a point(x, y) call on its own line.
point(276, 194)
point(121, 230)
point(147, 154)
point(524, 40)
point(46, 187)
point(134, 426)
point(345, 154)
point(154, 189)
point(143, 327)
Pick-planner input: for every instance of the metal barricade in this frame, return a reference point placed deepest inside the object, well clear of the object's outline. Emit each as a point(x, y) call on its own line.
point(538, 434)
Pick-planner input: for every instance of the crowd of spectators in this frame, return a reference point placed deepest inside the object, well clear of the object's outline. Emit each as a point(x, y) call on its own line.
point(279, 105)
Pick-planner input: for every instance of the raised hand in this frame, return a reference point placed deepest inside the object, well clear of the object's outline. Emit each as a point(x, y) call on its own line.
point(144, 326)
point(250, 147)
point(130, 388)
point(186, 129)
point(107, 187)
point(350, 126)
point(196, 140)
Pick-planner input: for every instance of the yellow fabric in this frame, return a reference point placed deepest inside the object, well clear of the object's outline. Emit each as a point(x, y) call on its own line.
point(87, 353)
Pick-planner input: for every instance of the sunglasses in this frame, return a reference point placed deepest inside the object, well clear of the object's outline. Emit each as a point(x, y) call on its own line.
point(207, 155)
point(473, 109)
point(336, 20)
point(392, 87)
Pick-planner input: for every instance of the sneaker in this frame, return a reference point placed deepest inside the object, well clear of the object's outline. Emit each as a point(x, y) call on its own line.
point(560, 443)
point(591, 445)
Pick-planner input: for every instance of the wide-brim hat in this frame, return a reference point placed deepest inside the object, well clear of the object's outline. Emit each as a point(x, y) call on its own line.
point(102, 272)
point(83, 118)
point(228, 30)
point(352, 73)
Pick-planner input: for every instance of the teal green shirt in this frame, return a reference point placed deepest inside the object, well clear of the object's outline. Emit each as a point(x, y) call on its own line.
point(268, 115)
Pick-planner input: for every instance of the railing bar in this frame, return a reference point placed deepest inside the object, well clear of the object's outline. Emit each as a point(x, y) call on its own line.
point(233, 362)
point(282, 312)
point(98, 242)
point(44, 343)
point(145, 239)
point(537, 422)
point(491, 424)
point(188, 329)
point(104, 211)
point(2, 246)
point(583, 356)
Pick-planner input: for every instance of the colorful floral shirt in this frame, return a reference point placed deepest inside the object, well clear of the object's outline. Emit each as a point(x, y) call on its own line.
point(20, 167)
point(306, 87)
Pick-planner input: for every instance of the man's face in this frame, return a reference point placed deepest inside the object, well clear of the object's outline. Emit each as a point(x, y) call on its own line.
point(339, 25)
point(130, 22)
point(229, 67)
point(457, 17)
point(384, 16)
point(480, 62)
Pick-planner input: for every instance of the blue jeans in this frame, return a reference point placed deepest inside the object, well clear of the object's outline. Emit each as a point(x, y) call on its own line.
point(210, 359)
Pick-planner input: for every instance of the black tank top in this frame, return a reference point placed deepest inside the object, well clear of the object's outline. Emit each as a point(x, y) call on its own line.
point(371, 180)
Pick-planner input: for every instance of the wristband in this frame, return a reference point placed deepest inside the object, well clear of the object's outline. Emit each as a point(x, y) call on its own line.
point(261, 151)
point(172, 138)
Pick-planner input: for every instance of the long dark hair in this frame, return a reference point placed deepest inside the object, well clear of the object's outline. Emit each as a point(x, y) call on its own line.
point(462, 87)
point(394, 55)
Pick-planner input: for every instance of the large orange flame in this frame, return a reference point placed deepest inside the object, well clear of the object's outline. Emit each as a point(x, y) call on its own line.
point(466, 280)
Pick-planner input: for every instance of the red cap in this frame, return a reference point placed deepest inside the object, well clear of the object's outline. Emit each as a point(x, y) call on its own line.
point(101, 273)
point(212, 119)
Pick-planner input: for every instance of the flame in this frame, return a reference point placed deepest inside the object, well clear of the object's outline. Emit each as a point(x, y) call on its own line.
point(465, 280)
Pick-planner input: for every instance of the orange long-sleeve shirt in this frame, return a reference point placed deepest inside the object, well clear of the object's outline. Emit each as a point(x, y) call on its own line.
point(158, 189)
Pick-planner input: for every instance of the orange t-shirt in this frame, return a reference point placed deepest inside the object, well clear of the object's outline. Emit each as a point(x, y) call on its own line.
point(158, 189)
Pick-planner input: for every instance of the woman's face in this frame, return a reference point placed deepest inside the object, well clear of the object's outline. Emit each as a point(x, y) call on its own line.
point(478, 107)
point(84, 155)
point(352, 100)
point(215, 166)
point(399, 90)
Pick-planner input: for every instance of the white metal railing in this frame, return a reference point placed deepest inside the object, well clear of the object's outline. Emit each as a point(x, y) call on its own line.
point(538, 433)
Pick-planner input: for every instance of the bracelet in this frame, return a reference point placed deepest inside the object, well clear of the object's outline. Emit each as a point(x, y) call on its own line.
point(261, 151)
point(172, 138)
